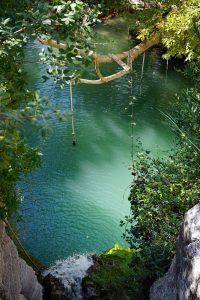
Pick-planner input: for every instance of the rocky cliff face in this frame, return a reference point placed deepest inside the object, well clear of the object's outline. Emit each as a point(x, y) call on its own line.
point(182, 281)
point(17, 279)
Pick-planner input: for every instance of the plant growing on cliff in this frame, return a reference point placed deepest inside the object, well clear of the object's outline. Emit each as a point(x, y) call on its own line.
point(164, 189)
point(111, 276)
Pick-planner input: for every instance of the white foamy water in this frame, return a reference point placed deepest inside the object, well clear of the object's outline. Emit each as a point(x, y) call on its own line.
point(70, 272)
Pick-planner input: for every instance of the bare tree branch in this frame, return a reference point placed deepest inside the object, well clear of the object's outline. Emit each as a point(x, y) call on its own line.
point(102, 59)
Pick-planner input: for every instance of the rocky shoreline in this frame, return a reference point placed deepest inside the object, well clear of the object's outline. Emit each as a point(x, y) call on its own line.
point(18, 280)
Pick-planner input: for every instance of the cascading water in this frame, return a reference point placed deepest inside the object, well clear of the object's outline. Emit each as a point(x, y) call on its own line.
point(70, 273)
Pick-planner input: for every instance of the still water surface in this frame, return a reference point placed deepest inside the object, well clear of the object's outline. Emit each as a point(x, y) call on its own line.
point(74, 202)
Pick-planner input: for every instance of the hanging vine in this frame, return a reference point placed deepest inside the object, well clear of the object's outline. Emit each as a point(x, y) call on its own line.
point(72, 112)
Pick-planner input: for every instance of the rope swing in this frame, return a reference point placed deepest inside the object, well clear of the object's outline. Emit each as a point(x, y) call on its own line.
point(142, 72)
point(72, 113)
point(166, 70)
point(143, 61)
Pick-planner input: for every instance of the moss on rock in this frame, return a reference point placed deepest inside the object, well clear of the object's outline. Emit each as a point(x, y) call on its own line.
point(111, 275)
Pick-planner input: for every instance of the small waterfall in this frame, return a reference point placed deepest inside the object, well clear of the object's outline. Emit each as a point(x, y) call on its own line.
point(70, 273)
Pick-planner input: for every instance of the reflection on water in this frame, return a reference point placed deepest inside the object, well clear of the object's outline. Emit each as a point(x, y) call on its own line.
point(74, 202)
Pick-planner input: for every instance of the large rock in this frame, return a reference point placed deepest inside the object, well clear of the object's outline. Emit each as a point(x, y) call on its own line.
point(182, 281)
point(17, 280)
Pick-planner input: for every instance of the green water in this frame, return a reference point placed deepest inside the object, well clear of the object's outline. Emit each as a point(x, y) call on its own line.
point(75, 201)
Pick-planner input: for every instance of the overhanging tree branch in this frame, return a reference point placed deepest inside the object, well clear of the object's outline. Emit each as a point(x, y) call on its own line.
point(102, 59)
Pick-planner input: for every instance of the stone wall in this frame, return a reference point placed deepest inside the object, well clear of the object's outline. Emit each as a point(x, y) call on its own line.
point(17, 280)
point(182, 281)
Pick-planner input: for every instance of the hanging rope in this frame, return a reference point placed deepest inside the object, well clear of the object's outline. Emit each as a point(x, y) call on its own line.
point(132, 125)
point(21, 246)
point(131, 97)
point(142, 72)
point(73, 118)
point(132, 119)
point(166, 71)
point(143, 61)
point(135, 52)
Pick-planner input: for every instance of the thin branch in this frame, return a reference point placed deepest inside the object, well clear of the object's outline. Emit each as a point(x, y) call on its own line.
point(20, 30)
point(97, 69)
point(105, 79)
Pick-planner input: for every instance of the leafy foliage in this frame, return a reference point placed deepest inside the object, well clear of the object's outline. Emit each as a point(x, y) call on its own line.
point(16, 157)
point(72, 22)
point(111, 6)
point(177, 22)
point(163, 190)
point(179, 33)
point(110, 277)
point(19, 22)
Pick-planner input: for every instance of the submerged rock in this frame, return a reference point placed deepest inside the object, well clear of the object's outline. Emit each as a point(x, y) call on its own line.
point(182, 281)
point(17, 280)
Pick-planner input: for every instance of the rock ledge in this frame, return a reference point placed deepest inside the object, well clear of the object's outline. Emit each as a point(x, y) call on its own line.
point(17, 280)
point(182, 281)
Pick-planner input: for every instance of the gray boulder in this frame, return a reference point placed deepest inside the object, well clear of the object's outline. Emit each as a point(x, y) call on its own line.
point(182, 281)
point(17, 280)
